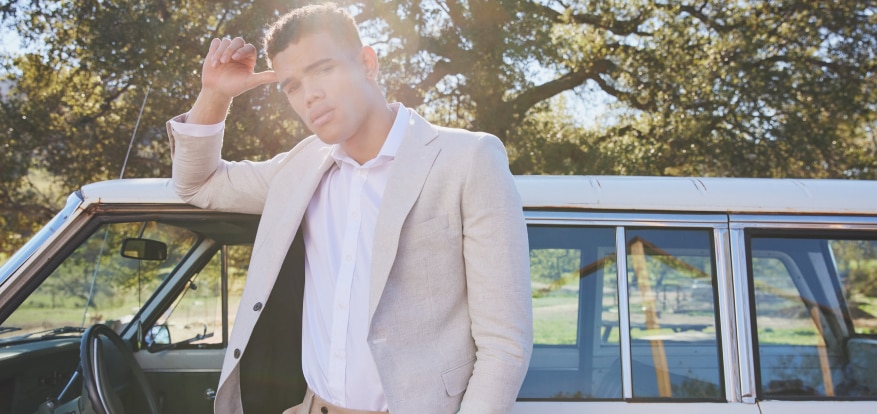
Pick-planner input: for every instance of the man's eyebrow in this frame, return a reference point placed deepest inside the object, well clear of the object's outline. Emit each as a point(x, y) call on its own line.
point(308, 68)
point(314, 65)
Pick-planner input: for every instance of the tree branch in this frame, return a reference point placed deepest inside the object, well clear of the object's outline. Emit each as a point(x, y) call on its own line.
point(519, 106)
point(618, 27)
point(697, 13)
point(412, 96)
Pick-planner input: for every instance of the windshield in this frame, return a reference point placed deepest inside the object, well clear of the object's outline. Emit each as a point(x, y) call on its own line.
point(96, 283)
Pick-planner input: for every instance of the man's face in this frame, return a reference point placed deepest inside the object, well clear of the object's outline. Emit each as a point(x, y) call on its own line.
point(327, 85)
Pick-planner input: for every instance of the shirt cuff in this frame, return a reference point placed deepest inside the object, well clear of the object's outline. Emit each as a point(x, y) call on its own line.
point(196, 130)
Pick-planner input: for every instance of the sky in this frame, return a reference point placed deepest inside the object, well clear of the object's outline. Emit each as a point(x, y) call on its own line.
point(11, 41)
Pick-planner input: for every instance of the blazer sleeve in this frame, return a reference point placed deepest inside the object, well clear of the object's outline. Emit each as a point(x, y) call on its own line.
point(496, 257)
point(201, 177)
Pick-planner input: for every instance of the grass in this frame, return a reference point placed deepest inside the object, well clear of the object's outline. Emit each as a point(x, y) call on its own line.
point(555, 320)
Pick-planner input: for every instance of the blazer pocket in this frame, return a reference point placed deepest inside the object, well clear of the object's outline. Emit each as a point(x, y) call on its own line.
point(456, 380)
point(426, 228)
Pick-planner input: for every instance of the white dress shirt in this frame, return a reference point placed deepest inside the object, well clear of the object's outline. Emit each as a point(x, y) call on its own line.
point(339, 230)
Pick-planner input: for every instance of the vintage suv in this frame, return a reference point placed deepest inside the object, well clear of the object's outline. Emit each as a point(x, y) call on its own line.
point(650, 295)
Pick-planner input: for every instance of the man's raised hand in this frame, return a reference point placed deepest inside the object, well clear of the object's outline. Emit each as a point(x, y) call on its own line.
point(227, 72)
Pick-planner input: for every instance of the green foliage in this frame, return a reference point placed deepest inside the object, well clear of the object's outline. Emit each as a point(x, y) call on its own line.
point(704, 87)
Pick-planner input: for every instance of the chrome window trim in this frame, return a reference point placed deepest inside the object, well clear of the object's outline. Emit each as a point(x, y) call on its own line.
point(727, 315)
point(740, 280)
point(625, 219)
point(742, 221)
point(623, 314)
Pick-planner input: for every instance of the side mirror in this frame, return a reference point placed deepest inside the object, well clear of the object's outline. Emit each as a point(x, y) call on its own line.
point(144, 249)
point(158, 338)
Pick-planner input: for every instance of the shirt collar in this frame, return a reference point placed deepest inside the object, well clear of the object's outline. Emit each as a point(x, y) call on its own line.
point(391, 143)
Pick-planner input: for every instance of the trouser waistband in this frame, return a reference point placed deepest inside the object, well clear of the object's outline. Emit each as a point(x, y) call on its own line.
point(321, 406)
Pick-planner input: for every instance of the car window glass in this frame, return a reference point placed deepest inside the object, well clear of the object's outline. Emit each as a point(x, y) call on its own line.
point(815, 304)
point(673, 329)
point(195, 319)
point(856, 262)
point(96, 284)
point(576, 353)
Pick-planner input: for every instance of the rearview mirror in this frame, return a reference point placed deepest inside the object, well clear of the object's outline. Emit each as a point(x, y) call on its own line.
point(144, 249)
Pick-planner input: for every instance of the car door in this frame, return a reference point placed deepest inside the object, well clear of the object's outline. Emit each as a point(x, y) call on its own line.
point(183, 348)
point(185, 329)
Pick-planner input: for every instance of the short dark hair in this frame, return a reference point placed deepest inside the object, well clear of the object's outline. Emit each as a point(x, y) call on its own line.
point(307, 20)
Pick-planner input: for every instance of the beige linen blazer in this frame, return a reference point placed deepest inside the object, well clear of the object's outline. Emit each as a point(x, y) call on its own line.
point(450, 299)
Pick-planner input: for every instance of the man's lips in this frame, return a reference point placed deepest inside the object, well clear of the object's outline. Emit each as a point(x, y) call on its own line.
point(321, 117)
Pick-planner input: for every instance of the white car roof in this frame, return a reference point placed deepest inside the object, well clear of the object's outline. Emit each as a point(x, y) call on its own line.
point(614, 193)
point(133, 190)
point(722, 195)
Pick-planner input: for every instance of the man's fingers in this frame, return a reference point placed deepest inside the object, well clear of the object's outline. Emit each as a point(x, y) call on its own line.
point(262, 78)
point(244, 52)
point(210, 59)
point(214, 44)
point(220, 48)
point(233, 46)
point(228, 50)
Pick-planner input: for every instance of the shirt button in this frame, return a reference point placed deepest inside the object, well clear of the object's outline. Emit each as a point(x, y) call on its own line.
point(257, 307)
point(237, 353)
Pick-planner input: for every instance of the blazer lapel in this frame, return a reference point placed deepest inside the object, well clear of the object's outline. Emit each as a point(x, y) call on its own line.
point(305, 177)
point(412, 164)
point(285, 211)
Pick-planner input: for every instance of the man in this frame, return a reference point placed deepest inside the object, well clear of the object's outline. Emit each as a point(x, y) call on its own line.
point(409, 239)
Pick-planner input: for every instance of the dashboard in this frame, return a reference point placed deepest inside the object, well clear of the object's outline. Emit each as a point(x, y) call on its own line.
point(33, 372)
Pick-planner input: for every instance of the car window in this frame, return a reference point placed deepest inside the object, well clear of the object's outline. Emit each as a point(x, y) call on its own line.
point(815, 301)
point(673, 329)
point(576, 352)
point(96, 283)
point(673, 333)
point(198, 318)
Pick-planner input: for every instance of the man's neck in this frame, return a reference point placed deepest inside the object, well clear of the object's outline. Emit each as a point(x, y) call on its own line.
point(368, 142)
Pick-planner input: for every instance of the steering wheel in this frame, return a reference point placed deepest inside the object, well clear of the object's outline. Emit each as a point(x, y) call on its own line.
point(99, 375)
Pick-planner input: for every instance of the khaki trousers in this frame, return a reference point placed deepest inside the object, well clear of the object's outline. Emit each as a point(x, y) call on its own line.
point(313, 404)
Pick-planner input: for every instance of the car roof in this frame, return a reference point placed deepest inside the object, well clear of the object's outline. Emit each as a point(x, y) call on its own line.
point(131, 190)
point(614, 193)
point(700, 194)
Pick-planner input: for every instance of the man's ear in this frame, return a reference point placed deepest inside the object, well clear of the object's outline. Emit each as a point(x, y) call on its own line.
point(369, 60)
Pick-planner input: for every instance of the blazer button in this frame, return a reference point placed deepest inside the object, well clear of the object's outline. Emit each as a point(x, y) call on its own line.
point(324, 410)
point(257, 307)
point(237, 353)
